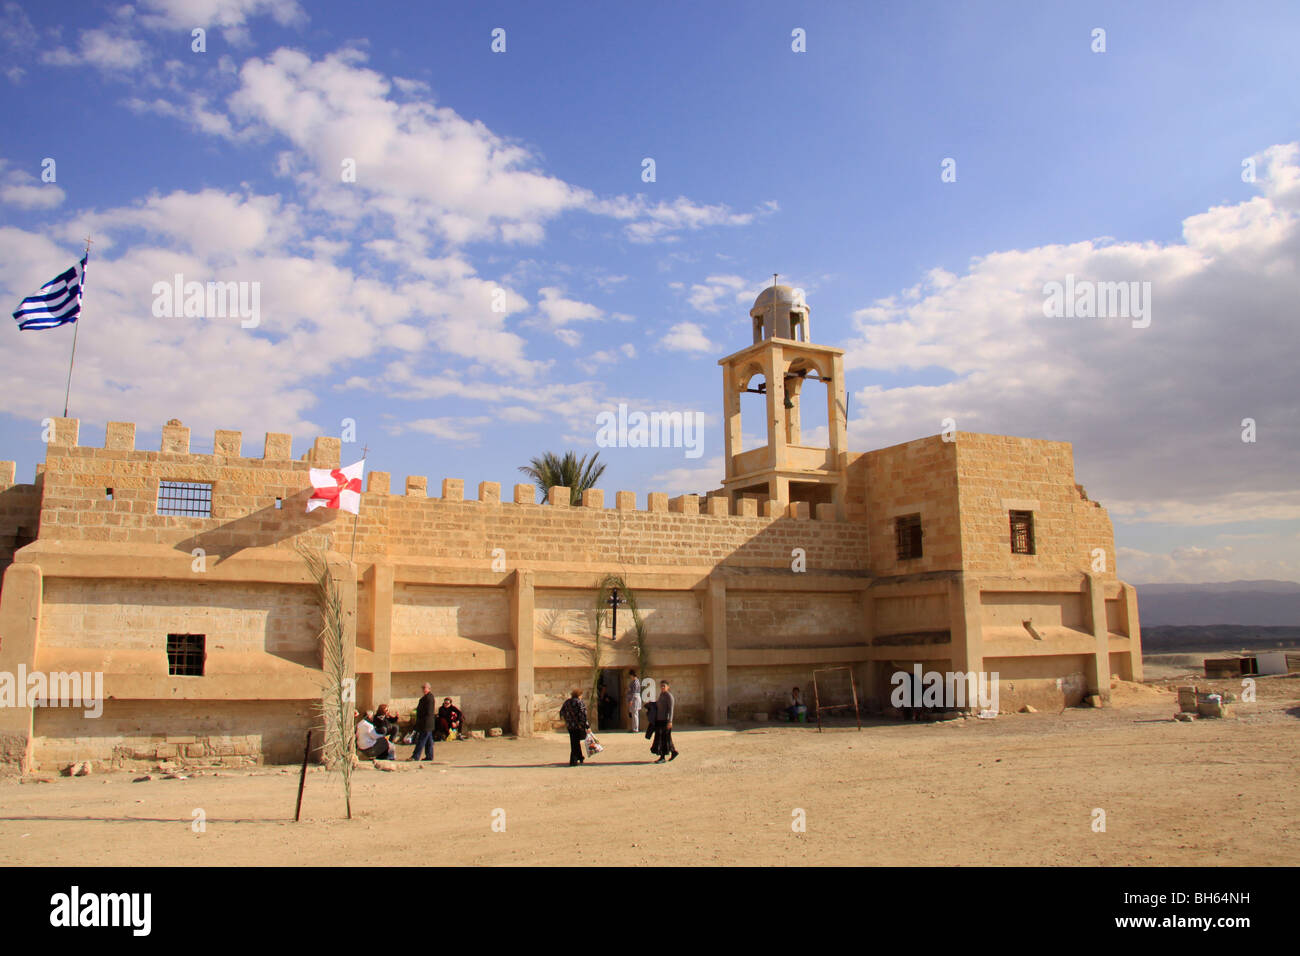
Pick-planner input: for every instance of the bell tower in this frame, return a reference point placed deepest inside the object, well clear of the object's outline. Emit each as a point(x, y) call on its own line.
point(783, 362)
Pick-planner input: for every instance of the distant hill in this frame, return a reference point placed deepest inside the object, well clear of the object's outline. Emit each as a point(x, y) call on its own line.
point(1254, 603)
point(1168, 639)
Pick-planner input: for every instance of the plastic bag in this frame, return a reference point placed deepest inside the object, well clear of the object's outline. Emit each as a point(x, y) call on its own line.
point(593, 745)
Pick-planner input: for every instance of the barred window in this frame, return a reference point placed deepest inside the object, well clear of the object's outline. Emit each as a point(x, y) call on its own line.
point(1022, 532)
point(907, 534)
point(185, 654)
point(189, 499)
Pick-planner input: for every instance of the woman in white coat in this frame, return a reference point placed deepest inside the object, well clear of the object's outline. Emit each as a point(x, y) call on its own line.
point(633, 702)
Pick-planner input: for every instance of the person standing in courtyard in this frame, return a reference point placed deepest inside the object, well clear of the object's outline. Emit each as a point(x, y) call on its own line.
point(574, 714)
point(633, 702)
point(663, 744)
point(426, 719)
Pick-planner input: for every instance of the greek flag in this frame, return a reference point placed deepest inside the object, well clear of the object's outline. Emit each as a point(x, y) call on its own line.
point(57, 303)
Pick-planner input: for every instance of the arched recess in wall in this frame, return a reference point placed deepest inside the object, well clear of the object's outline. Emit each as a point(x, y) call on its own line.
point(752, 385)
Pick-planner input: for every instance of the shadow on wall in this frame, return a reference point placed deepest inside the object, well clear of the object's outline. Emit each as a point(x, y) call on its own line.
point(264, 528)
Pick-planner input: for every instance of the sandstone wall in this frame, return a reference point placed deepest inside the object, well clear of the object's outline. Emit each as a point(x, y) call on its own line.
point(999, 474)
point(138, 734)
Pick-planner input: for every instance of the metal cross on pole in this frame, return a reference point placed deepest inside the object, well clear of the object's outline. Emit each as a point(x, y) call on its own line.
point(615, 599)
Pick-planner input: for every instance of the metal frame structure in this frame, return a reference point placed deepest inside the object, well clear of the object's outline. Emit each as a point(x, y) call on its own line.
point(817, 702)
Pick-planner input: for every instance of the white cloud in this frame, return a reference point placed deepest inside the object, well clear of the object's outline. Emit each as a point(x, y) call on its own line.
point(319, 317)
point(231, 16)
point(1194, 564)
point(448, 429)
point(688, 337)
point(720, 292)
point(1154, 413)
point(420, 166)
point(700, 479)
point(661, 221)
point(559, 310)
point(111, 50)
point(20, 188)
point(611, 356)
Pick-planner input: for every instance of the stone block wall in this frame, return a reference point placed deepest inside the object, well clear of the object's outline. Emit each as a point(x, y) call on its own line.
point(999, 474)
point(20, 513)
point(919, 477)
point(140, 734)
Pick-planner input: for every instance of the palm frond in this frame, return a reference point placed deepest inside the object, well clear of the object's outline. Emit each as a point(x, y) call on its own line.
point(338, 694)
point(550, 470)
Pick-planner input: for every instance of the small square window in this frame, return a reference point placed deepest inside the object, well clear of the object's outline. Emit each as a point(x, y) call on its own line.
point(187, 499)
point(108, 494)
point(185, 654)
point(1022, 532)
point(279, 504)
point(907, 534)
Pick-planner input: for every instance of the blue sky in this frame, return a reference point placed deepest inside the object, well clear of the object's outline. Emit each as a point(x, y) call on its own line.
point(522, 171)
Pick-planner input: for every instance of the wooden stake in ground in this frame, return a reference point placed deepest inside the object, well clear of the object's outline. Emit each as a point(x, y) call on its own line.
point(302, 777)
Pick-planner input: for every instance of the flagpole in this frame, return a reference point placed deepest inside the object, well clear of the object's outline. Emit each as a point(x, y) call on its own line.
point(357, 517)
point(76, 327)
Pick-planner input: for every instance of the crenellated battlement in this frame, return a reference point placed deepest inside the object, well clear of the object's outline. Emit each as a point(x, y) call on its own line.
point(120, 437)
point(326, 452)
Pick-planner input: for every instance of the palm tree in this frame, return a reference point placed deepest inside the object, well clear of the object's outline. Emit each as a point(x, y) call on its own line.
point(576, 474)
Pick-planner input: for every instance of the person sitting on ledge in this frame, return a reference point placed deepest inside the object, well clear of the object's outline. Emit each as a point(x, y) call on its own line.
point(372, 743)
point(796, 710)
point(385, 722)
point(449, 718)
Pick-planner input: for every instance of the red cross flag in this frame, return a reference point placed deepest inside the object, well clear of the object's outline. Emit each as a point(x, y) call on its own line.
point(337, 488)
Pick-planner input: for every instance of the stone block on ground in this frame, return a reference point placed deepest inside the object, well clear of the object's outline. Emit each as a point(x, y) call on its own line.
point(1213, 708)
point(495, 732)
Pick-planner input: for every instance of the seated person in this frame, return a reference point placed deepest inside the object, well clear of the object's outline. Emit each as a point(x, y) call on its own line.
point(372, 743)
point(449, 718)
point(796, 710)
point(605, 707)
point(385, 722)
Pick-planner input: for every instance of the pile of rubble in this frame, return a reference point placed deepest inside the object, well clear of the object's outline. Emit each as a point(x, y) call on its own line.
point(1193, 703)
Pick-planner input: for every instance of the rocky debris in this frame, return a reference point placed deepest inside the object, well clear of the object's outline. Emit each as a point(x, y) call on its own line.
point(386, 765)
point(175, 776)
point(1193, 703)
point(145, 779)
point(1185, 717)
point(1029, 709)
point(495, 732)
point(1213, 706)
point(79, 769)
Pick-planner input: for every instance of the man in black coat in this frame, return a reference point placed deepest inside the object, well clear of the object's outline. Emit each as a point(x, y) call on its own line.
point(426, 719)
point(664, 707)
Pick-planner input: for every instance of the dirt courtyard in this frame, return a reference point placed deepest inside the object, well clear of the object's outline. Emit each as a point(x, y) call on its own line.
point(1018, 789)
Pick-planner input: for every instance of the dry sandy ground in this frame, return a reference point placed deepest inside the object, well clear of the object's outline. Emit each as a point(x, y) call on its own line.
point(1020, 789)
